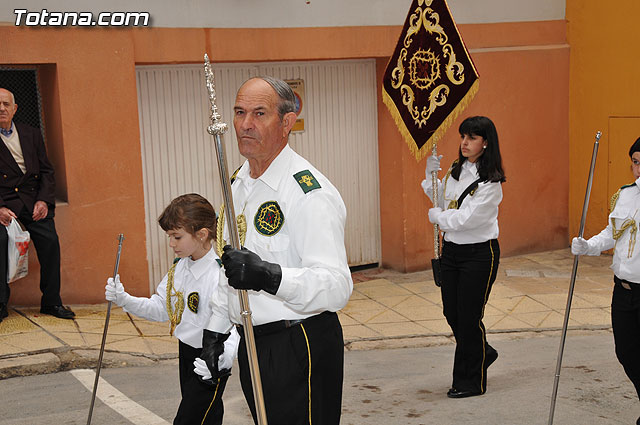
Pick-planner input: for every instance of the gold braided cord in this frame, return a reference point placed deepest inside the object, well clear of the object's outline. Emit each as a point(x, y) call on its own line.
point(175, 316)
point(219, 229)
point(453, 205)
point(241, 222)
point(617, 233)
point(614, 200)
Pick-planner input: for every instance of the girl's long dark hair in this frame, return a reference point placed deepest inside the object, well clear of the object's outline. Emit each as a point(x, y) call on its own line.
point(490, 162)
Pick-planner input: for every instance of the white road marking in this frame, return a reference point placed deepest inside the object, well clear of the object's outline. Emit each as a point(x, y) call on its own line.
point(119, 402)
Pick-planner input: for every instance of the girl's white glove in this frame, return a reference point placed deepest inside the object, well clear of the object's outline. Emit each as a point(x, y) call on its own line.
point(433, 164)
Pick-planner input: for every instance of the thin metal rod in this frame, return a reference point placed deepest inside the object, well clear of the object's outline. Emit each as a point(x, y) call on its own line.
point(217, 128)
point(104, 333)
point(574, 272)
point(434, 186)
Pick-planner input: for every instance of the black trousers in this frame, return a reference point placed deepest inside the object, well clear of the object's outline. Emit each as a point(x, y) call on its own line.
point(201, 403)
point(45, 240)
point(468, 273)
point(625, 319)
point(301, 368)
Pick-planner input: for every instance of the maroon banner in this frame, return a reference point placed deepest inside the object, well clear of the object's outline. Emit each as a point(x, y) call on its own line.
point(430, 77)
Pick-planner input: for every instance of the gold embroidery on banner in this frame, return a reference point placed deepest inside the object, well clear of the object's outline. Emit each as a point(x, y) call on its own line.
point(424, 65)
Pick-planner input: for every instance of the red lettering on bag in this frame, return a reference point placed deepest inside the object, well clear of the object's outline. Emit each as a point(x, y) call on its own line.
point(22, 247)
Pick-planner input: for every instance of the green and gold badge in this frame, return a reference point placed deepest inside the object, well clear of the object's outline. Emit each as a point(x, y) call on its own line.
point(269, 218)
point(306, 180)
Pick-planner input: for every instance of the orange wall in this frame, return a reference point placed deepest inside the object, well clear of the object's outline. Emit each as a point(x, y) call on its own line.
point(604, 92)
point(93, 110)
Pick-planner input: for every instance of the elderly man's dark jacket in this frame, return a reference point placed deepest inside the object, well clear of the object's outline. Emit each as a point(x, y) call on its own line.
point(37, 184)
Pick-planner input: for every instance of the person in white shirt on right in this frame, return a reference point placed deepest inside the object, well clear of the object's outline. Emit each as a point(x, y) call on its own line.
point(620, 234)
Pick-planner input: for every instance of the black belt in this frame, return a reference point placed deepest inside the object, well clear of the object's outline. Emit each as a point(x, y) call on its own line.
point(470, 244)
point(624, 283)
point(280, 325)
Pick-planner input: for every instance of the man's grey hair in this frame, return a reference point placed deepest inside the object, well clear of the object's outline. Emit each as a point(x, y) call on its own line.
point(285, 93)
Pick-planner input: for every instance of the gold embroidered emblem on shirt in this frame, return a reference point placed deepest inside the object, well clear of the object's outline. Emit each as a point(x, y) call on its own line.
point(193, 300)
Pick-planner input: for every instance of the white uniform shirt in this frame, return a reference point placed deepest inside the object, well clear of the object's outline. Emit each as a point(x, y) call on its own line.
point(477, 218)
point(627, 208)
point(190, 277)
point(309, 246)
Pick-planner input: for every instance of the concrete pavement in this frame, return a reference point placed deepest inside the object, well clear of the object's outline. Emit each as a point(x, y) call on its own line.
point(387, 310)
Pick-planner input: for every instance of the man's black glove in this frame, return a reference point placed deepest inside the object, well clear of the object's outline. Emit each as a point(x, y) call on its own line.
point(212, 348)
point(246, 270)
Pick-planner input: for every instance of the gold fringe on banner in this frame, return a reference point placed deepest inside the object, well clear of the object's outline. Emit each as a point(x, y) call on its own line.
point(425, 150)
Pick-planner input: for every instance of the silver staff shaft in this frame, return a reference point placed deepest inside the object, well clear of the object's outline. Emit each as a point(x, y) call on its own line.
point(574, 271)
point(104, 333)
point(217, 128)
point(436, 228)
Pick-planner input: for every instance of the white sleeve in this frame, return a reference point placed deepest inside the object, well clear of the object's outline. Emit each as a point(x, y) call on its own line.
point(153, 308)
point(602, 241)
point(427, 187)
point(323, 280)
point(476, 210)
point(231, 344)
point(219, 321)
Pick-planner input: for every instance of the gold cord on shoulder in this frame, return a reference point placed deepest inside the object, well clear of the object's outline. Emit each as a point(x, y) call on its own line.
point(453, 204)
point(241, 222)
point(175, 316)
point(614, 200)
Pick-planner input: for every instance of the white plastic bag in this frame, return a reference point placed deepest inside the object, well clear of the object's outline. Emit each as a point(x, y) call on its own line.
point(18, 264)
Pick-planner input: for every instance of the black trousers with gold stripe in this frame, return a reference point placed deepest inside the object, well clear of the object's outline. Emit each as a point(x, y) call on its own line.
point(301, 368)
point(201, 403)
point(625, 319)
point(468, 272)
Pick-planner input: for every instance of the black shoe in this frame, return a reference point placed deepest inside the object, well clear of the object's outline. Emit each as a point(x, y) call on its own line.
point(3, 311)
point(491, 357)
point(453, 393)
point(58, 311)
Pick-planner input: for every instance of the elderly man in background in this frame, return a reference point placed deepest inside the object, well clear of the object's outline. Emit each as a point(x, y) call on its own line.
point(27, 187)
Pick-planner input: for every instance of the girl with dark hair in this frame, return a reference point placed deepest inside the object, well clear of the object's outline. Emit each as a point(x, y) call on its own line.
point(621, 235)
point(183, 299)
point(467, 213)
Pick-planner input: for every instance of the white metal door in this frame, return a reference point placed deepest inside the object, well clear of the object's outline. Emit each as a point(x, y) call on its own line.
point(340, 139)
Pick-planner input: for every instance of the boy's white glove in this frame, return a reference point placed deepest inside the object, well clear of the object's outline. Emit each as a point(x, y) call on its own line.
point(579, 246)
point(114, 291)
